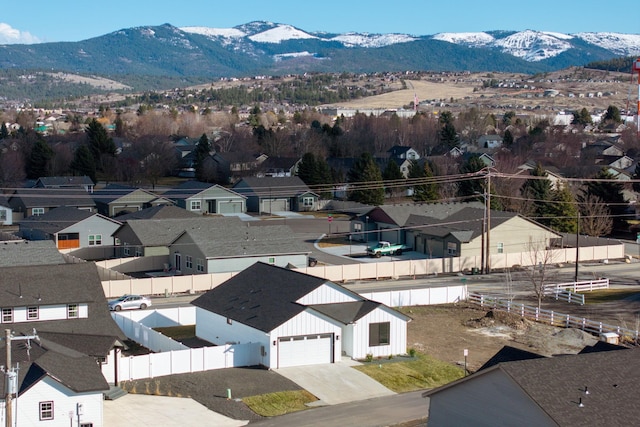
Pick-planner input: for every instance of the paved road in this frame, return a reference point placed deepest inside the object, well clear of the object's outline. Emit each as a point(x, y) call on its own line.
point(378, 412)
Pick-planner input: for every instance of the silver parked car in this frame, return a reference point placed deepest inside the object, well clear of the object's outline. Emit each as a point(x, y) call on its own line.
point(129, 302)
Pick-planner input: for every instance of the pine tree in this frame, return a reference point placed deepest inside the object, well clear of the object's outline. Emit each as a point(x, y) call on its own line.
point(307, 169)
point(38, 160)
point(100, 144)
point(4, 132)
point(392, 176)
point(201, 152)
point(538, 190)
point(609, 191)
point(366, 178)
point(83, 163)
point(471, 187)
point(563, 211)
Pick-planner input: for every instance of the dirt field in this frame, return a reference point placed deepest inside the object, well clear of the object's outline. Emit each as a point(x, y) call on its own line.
point(445, 331)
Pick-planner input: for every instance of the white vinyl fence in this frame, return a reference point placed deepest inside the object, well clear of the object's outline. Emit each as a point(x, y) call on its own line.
point(339, 273)
point(424, 296)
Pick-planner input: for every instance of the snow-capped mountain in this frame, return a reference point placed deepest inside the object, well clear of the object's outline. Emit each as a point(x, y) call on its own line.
point(534, 46)
point(372, 40)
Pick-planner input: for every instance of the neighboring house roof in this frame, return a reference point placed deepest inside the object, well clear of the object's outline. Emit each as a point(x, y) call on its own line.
point(270, 187)
point(64, 181)
point(237, 239)
point(58, 284)
point(49, 197)
point(509, 354)
point(556, 384)
point(399, 214)
point(189, 189)
point(14, 253)
point(59, 219)
point(162, 232)
point(159, 212)
point(113, 192)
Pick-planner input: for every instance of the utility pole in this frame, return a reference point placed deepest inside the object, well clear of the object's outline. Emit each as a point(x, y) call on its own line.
point(8, 372)
point(488, 210)
point(11, 376)
point(577, 247)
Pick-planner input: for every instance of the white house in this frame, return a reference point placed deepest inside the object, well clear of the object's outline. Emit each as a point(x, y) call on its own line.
point(298, 319)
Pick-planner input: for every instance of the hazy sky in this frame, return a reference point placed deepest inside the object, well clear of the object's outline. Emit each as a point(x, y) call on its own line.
point(73, 20)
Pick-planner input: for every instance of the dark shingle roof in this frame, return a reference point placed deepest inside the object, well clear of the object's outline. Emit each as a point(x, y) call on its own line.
point(509, 354)
point(289, 186)
point(399, 214)
point(65, 181)
point(159, 212)
point(347, 312)
point(50, 197)
point(162, 232)
point(14, 253)
point(58, 219)
point(187, 189)
point(261, 296)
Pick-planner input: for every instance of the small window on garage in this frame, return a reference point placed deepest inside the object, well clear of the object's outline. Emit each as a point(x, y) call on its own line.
point(272, 260)
point(452, 248)
point(379, 333)
point(500, 248)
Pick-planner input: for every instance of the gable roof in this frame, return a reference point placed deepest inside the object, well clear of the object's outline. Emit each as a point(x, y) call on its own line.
point(400, 213)
point(49, 197)
point(14, 253)
point(509, 354)
point(162, 232)
point(187, 189)
point(238, 239)
point(271, 187)
point(64, 181)
point(113, 192)
point(159, 212)
point(556, 384)
point(261, 296)
point(61, 218)
point(347, 312)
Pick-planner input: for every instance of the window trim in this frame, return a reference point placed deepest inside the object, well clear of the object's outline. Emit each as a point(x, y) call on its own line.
point(70, 310)
point(46, 407)
point(500, 247)
point(37, 211)
point(195, 205)
point(7, 313)
point(188, 262)
point(95, 239)
point(33, 312)
point(379, 334)
point(200, 264)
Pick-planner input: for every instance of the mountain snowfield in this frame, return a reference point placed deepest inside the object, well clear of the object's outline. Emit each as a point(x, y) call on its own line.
point(529, 45)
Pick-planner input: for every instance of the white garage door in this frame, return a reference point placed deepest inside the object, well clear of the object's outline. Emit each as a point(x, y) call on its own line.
point(275, 205)
point(230, 207)
point(305, 350)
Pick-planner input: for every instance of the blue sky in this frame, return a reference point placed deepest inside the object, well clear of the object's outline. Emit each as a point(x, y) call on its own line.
point(73, 20)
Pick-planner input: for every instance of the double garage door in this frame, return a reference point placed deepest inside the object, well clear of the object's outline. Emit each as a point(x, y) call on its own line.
point(305, 350)
point(275, 205)
point(230, 207)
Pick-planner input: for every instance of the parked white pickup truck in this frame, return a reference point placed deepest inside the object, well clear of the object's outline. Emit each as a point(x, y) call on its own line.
point(386, 248)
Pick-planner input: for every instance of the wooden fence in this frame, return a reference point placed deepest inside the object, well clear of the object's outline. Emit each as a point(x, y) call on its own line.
point(550, 317)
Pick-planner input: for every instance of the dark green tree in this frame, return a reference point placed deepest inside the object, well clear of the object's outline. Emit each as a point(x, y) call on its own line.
point(101, 145)
point(612, 115)
point(538, 191)
point(38, 160)
point(83, 163)
point(563, 211)
point(582, 117)
point(307, 169)
point(636, 176)
point(507, 118)
point(4, 132)
point(366, 180)
point(472, 185)
point(448, 133)
point(201, 153)
point(507, 139)
point(423, 189)
point(607, 189)
point(392, 177)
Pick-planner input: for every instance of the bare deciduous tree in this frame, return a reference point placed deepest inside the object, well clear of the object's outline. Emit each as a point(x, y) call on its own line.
point(595, 219)
point(539, 258)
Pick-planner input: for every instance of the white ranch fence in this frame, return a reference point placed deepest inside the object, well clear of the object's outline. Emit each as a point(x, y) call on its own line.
point(335, 273)
point(550, 317)
point(584, 286)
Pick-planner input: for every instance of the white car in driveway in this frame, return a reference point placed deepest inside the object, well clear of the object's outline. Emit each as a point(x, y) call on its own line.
point(129, 302)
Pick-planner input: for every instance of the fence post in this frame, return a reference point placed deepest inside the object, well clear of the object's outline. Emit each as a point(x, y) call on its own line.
point(551, 317)
point(584, 321)
point(537, 313)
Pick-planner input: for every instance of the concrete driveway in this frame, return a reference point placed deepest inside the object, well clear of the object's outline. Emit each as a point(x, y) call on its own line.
point(335, 383)
point(142, 410)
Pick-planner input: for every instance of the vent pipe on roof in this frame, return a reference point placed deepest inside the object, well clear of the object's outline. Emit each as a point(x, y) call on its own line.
point(580, 404)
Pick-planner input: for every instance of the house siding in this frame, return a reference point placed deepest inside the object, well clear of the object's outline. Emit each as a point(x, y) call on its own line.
point(50, 312)
point(487, 400)
point(6, 215)
point(397, 335)
point(64, 402)
point(92, 226)
point(224, 265)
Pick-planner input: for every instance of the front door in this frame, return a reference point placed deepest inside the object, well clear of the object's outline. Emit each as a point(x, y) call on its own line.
point(178, 263)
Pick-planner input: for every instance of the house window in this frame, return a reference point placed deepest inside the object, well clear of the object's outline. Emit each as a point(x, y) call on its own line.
point(95, 239)
point(72, 311)
point(500, 248)
point(3, 215)
point(200, 265)
point(188, 261)
point(195, 205)
point(379, 333)
point(452, 248)
point(7, 315)
point(126, 251)
point(272, 260)
point(138, 251)
point(32, 313)
point(101, 360)
point(307, 202)
point(37, 211)
point(46, 410)
point(357, 226)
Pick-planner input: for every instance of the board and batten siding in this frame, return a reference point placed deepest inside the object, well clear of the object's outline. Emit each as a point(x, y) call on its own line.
point(328, 293)
point(307, 323)
point(487, 400)
point(64, 402)
point(397, 334)
point(233, 264)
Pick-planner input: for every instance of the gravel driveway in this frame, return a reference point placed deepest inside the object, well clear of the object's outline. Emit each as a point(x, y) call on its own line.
point(209, 388)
